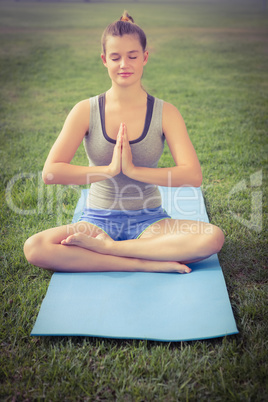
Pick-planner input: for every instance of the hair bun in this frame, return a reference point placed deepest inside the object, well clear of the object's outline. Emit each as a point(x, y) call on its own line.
point(126, 17)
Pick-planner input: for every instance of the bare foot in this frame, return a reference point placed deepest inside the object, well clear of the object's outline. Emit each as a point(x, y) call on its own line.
point(98, 244)
point(102, 244)
point(163, 267)
point(183, 269)
point(178, 267)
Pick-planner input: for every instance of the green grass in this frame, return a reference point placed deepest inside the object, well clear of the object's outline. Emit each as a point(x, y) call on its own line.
point(210, 60)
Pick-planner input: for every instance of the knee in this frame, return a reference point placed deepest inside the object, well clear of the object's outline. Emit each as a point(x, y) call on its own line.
point(217, 239)
point(32, 249)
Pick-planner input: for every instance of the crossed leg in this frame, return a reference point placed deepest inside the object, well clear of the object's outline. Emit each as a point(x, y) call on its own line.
point(49, 250)
point(168, 240)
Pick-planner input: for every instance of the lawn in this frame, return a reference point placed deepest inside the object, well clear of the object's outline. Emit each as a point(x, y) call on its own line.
point(210, 60)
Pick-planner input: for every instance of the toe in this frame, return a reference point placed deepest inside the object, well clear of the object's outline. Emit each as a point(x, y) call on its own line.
point(187, 270)
point(69, 240)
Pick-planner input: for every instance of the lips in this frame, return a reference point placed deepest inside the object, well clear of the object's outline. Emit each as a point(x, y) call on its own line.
point(125, 75)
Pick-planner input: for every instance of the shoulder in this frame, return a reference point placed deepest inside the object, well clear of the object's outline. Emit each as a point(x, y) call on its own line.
point(171, 116)
point(170, 110)
point(82, 106)
point(80, 112)
point(79, 116)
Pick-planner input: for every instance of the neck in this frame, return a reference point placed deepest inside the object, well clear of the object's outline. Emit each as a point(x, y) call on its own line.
point(126, 95)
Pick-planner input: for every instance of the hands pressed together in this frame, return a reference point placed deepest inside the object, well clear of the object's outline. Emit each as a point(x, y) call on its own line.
point(122, 155)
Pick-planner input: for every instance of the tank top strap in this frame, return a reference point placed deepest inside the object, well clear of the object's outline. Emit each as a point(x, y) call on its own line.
point(148, 118)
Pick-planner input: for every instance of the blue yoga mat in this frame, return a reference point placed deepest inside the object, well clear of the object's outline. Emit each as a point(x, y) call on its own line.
point(153, 306)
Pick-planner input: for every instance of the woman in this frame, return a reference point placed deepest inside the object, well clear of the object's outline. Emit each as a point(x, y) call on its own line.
point(124, 227)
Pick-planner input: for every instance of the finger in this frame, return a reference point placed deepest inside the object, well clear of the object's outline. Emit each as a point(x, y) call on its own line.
point(125, 137)
point(120, 130)
point(119, 135)
point(125, 131)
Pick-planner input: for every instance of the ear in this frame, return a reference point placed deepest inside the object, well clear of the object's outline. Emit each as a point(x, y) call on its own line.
point(145, 57)
point(103, 58)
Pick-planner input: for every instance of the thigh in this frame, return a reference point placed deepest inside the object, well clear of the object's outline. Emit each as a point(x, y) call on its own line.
point(177, 226)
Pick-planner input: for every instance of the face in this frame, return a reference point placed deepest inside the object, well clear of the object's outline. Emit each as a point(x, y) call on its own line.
point(124, 59)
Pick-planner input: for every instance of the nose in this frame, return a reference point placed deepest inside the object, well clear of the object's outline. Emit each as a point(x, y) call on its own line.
point(123, 63)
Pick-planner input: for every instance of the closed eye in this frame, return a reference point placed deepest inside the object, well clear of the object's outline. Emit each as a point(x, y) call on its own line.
point(118, 58)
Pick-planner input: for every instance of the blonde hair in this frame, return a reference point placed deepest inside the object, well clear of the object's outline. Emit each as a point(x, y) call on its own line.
point(124, 26)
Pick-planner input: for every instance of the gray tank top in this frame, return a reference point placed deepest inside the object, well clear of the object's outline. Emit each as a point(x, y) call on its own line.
point(120, 192)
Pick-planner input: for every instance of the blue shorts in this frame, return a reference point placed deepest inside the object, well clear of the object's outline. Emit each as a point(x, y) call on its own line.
point(123, 225)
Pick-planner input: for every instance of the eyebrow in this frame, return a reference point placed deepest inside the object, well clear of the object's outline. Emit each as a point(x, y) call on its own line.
point(130, 52)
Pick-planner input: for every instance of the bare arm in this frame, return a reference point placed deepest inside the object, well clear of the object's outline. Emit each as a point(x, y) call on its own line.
point(187, 171)
point(57, 168)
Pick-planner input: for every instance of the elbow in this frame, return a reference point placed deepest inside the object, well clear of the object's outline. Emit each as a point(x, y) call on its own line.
point(198, 179)
point(47, 176)
point(193, 176)
point(195, 179)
